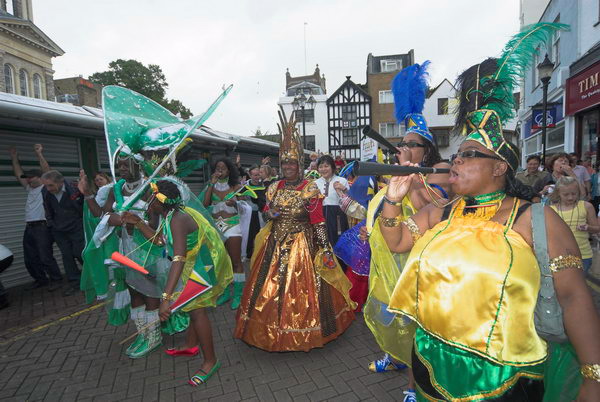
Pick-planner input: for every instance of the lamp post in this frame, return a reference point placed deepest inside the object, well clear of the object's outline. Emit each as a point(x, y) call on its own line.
point(545, 72)
point(300, 102)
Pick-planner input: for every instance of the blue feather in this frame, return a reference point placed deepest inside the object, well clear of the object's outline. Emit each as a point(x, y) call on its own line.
point(409, 88)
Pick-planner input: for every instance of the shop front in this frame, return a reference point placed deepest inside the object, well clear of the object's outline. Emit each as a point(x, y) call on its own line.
point(583, 102)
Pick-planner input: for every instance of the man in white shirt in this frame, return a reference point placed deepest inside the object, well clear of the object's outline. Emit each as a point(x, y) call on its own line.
point(37, 239)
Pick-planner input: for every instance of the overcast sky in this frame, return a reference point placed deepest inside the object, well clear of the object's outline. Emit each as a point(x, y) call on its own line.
point(202, 45)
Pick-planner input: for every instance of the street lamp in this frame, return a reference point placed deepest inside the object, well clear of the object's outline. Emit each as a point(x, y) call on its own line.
point(300, 102)
point(545, 69)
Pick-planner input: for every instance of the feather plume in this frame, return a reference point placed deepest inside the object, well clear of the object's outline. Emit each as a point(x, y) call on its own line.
point(409, 88)
point(491, 84)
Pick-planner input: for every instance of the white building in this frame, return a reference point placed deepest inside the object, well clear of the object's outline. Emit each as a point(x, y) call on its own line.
point(439, 114)
point(315, 115)
point(574, 90)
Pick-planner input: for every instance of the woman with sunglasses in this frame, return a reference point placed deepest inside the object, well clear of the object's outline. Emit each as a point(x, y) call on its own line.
point(471, 280)
point(392, 332)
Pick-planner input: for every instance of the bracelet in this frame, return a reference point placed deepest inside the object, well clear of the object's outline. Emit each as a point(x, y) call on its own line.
point(391, 222)
point(166, 296)
point(139, 223)
point(591, 372)
point(396, 204)
point(89, 197)
point(414, 229)
point(562, 262)
point(179, 258)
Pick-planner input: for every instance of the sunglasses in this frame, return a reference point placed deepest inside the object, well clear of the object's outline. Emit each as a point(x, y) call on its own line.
point(471, 153)
point(411, 144)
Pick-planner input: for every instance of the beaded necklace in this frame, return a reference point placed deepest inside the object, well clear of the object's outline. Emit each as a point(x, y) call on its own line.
point(483, 206)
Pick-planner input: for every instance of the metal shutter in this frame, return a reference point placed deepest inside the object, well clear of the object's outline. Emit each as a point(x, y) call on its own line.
point(62, 153)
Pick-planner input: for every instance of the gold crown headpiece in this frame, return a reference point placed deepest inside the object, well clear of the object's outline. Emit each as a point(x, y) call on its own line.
point(291, 146)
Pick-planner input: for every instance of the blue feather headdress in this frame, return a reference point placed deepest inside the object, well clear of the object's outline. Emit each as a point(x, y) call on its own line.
point(409, 88)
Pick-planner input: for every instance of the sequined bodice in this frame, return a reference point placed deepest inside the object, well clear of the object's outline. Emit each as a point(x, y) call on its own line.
point(293, 216)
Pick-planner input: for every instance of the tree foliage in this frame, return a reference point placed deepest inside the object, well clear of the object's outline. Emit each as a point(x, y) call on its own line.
point(148, 80)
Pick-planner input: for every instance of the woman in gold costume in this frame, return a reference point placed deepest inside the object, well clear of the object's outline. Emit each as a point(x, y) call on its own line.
point(471, 281)
point(297, 296)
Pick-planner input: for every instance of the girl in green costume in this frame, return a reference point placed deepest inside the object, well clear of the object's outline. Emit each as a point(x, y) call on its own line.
point(192, 242)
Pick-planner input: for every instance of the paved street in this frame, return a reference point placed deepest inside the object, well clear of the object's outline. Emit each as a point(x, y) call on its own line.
point(80, 359)
point(56, 348)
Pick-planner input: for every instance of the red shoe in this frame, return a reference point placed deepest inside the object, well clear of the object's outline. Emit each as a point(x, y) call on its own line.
point(183, 352)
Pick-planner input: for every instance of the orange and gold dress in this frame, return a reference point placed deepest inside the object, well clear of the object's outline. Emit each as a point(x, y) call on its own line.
point(292, 301)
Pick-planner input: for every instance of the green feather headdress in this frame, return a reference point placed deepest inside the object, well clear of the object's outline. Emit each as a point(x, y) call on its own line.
point(485, 90)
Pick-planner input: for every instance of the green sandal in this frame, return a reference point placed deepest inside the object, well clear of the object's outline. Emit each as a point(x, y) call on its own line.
point(198, 379)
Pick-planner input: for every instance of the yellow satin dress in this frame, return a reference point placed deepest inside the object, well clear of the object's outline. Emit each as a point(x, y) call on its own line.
point(471, 285)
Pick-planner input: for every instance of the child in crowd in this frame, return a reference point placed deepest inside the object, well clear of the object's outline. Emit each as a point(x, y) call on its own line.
point(578, 214)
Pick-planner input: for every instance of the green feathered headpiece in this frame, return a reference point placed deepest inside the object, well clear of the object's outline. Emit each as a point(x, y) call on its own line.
point(485, 90)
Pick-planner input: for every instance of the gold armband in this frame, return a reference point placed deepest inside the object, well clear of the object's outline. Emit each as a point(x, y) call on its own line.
point(591, 371)
point(414, 229)
point(567, 261)
point(391, 222)
point(179, 258)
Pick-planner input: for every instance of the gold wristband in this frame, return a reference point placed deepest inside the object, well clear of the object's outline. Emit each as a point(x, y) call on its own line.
point(167, 296)
point(565, 261)
point(391, 222)
point(179, 258)
point(591, 372)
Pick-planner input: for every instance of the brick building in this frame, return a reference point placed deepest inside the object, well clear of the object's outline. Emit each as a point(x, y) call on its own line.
point(25, 52)
point(380, 73)
point(78, 91)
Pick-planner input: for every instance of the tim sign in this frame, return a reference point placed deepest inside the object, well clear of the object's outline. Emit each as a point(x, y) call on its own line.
point(583, 90)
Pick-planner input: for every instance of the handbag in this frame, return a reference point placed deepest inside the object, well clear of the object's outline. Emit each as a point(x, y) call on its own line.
point(548, 317)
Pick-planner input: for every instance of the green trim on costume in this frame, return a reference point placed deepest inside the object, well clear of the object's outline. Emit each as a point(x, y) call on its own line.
point(448, 365)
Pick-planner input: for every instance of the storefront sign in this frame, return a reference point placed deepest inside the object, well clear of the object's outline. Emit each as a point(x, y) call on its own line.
point(583, 90)
point(538, 117)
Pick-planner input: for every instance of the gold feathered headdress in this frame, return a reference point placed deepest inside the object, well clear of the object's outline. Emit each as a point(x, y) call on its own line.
point(291, 145)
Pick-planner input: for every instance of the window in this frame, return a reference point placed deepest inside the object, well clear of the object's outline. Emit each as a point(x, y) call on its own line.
point(442, 106)
point(309, 115)
point(534, 71)
point(350, 137)
point(442, 137)
point(553, 46)
point(23, 82)
point(390, 65)
point(9, 79)
point(37, 86)
point(386, 97)
point(390, 130)
point(349, 113)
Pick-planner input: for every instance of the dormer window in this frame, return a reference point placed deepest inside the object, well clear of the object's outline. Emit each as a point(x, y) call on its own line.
point(390, 65)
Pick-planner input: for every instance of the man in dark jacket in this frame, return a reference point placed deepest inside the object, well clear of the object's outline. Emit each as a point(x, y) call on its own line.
point(63, 204)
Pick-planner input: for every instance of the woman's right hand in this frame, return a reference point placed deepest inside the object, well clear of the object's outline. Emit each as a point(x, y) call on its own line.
point(399, 186)
point(214, 178)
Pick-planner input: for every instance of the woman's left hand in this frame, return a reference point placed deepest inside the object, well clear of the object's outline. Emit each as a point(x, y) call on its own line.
point(589, 391)
point(164, 311)
point(583, 227)
point(231, 202)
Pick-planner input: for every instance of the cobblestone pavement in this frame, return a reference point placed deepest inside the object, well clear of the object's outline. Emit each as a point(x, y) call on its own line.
point(56, 348)
point(79, 358)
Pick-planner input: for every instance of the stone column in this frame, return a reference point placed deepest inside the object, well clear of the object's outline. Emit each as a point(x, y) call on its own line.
point(18, 8)
point(2, 83)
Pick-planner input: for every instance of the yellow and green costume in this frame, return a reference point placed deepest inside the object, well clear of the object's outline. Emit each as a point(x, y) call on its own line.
point(204, 248)
point(394, 333)
point(471, 285)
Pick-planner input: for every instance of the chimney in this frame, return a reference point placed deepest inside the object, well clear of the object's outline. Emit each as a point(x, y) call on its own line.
point(23, 9)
